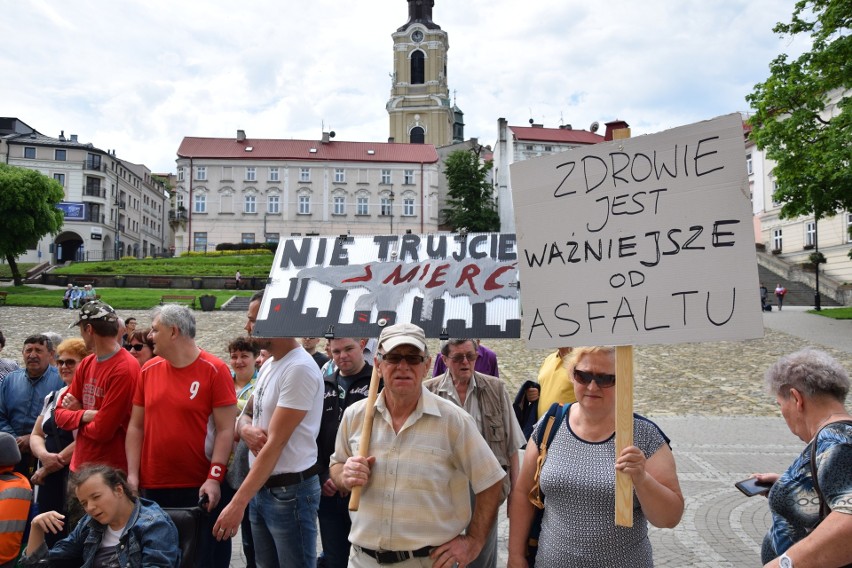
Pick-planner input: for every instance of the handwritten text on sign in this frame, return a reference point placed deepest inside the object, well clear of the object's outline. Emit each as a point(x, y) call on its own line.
point(643, 240)
point(456, 285)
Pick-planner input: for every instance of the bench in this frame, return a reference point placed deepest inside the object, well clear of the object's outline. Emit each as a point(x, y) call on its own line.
point(3, 298)
point(159, 283)
point(174, 298)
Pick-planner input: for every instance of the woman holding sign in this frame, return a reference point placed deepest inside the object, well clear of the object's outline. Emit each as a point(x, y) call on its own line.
point(578, 480)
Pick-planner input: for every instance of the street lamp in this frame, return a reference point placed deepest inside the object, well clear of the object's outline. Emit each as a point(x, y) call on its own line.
point(390, 210)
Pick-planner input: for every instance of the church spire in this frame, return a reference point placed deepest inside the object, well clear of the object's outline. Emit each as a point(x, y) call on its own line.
point(420, 12)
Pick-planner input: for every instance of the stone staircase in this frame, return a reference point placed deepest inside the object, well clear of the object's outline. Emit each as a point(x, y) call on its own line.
point(798, 293)
point(236, 304)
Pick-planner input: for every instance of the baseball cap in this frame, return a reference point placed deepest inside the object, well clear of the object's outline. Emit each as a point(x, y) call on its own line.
point(402, 334)
point(95, 310)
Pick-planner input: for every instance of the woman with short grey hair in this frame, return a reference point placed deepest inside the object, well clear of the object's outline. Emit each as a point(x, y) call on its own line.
point(811, 502)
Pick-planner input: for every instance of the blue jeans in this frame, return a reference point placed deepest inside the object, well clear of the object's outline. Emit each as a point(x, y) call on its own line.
point(284, 525)
point(334, 525)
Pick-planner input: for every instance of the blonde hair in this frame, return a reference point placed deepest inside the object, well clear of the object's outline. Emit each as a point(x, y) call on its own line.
point(75, 346)
point(579, 352)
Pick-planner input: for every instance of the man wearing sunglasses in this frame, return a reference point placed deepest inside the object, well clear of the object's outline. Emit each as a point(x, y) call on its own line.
point(485, 398)
point(426, 455)
point(98, 402)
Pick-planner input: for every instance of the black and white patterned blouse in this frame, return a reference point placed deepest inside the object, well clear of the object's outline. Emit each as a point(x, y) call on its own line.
point(578, 481)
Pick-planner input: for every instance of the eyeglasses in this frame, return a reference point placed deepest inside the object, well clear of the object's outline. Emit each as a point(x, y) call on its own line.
point(396, 359)
point(137, 347)
point(461, 357)
point(66, 363)
point(585, 378)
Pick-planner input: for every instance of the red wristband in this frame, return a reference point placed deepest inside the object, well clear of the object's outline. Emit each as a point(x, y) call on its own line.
point(217, 471)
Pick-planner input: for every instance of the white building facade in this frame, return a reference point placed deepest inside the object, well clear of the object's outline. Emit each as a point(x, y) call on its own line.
point(245, 190)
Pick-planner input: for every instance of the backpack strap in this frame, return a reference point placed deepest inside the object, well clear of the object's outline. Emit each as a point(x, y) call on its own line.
point(824, 509)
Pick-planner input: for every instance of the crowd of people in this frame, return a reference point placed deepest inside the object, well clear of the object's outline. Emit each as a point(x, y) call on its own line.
point(101, 435)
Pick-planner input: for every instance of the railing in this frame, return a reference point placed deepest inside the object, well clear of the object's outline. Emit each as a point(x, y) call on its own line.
point(94, 165)
point(177, 215)
point(94, 191)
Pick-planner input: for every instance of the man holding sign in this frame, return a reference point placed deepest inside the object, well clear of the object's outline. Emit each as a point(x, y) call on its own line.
point(425, 455)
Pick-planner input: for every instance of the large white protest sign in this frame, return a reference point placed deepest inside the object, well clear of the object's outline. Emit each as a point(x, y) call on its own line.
point(450, 285)
point(638, 241)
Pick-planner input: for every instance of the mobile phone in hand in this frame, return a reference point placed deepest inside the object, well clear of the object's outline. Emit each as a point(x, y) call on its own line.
point(752, 486)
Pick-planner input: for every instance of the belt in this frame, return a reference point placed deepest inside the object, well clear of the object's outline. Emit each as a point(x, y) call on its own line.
point(394, 557)
point(285, 479)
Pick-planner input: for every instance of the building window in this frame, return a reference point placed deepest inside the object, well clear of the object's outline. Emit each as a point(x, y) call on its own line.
point(273, 237)
point(363, 207)
point(810, 234)
point(417, 135)
point(849, 227)
point(408, 178)
point(777, 240)
point(273, 174)
point(250, 204)
point(386, 206)
point(59, 155)
point(200, 203)
point(179, 200)
point(529, 147)
point(60, 178)
point(548, 148)
point(418, 68)
point(749, 164)
point(180, 174)
point(339, 175)
point(201, 173)
point(199, 242)
point(304, 174)
point(304, 205)
point(29, 153)
point(251, 174)
point(408, 207)
point(273, 204)
point(247, 238)
point(775, 202)
point(386, 176)
point(339, 205)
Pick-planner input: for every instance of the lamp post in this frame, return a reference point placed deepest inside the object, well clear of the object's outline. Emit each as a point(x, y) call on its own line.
point(390, 210)
point(817, 299)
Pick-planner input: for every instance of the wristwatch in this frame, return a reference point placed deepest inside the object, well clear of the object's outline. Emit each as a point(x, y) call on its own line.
point(785, 561)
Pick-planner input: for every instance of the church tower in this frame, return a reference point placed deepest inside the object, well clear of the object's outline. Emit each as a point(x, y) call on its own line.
point(419, 107)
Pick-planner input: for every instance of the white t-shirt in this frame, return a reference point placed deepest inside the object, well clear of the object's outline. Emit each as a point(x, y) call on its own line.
point(293, 381)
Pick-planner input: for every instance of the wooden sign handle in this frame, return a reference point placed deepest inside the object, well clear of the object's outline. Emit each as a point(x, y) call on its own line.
point(623, 432)
point(366, 432)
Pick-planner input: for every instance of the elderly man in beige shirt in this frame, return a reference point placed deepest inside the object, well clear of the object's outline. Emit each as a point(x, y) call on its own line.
point(426, 454)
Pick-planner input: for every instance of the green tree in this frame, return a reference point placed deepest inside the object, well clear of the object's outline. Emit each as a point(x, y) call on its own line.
point(28, 208)
point(811, 146)
point(471, 205)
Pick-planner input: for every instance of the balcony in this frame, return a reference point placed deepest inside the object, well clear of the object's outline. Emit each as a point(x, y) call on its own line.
point(177, 215)
point(94, 165)
point(93, 190)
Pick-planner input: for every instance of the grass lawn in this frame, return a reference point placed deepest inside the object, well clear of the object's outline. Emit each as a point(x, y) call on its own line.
point(118, 298)
point(249, 265)
point(6, 271)
point(834, 313)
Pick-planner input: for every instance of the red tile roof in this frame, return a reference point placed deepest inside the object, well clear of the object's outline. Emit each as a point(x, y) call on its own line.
point(266, 149)
point(556, 135)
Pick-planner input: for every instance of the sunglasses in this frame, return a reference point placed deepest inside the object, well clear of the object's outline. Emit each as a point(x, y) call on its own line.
point(396, 359)
point(66, 363)
point(462, 356)
point(137, 347)
point(585, 378)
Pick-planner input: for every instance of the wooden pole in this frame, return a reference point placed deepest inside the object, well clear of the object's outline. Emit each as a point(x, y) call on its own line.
point(366, 432)
point(623, 432)
point(623, 414)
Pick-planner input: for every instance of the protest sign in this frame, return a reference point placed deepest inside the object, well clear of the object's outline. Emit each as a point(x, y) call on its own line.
point(348, 286)
point(639, 241)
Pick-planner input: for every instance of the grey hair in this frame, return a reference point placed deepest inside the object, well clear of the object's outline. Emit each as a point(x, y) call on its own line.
point(55, 340)
point(178, 316)
point(811, 372)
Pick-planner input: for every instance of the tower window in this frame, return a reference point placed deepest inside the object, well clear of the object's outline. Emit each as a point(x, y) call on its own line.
point(418, 135)
point(418, 68)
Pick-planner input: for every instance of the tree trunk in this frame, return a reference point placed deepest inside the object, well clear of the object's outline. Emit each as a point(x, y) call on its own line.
point(16, 274)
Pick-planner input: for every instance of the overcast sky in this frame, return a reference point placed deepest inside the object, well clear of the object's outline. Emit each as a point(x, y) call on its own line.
point(138, 76)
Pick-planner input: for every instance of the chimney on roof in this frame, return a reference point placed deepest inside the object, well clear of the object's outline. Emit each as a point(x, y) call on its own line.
point(327, 136)
point(614, 125)
point(241, 135)
point(62, 136)
point(565, 127)
point(73, 138)
point(534, 125)
point(390, 140)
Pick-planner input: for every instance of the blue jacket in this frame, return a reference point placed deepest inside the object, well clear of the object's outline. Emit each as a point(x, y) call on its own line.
point(22, 399)
point(149, 539)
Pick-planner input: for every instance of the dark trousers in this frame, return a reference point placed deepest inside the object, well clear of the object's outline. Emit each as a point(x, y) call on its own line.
point(211, 552)
point(334, 524)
